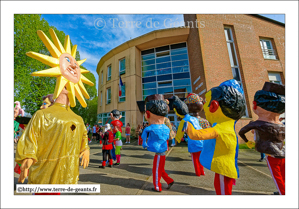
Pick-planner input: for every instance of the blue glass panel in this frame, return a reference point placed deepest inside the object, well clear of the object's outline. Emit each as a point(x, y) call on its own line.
point(148, 56)
point(148, 79)
point(179, 57)
point(164, 71)
point(149, 85)
point(180, 63)
point(148, 73)
point(181, 88)
point(180, 69)
point(164, 77)
point(163, 59)
point(165, 90)
point(183, 82)
point(149, 67)
point(148, 62)
point(164, 84)
point(181, 75)
point(164, 65)
point(149, 92)
point(179, 51)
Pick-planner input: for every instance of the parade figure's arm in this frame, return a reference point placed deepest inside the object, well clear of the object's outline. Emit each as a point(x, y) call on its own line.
point(180, 133)
point(202, 134)
point(242, 133)
point(84, 151)
point(144, 138)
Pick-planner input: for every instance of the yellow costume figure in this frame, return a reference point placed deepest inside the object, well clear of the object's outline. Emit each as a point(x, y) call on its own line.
point(224, 106)
point(56, 137)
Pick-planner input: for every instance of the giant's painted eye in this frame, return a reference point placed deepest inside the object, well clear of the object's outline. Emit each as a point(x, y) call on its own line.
point(67, 59)
point(45, 103)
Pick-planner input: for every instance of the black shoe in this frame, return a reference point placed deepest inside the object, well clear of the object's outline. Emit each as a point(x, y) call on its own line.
point(102, 166)
point(276, 193)
point(111, 166)
point(153, 189)
point(169, 185)
point(116, 163)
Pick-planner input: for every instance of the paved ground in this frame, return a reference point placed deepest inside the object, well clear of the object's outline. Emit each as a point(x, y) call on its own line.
point(133, 176)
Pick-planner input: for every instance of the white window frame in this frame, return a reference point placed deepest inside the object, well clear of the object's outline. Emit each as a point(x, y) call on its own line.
point(123, 96)
point(274, 74)
point(266, 52)
point(237, 62)
point(107, 99)
point(109, 72)
point(119, 66)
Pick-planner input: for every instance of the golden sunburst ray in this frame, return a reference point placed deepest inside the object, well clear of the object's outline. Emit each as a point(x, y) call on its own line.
point(84, 71)
point(48, 43)
point(71, 94)
point(67, 44)
point(52, 72)
point(60, 84)
point(51, 61)
point(86, 80)
point(83, 90)
point(74, 87)
point(74, 50)
point(80, 62)
point(80, 96)
point(56, 41)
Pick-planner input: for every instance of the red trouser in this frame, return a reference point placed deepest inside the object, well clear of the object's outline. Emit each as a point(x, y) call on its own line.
point(197, 166)
point(140, 140)
point(223, 184)
point(277, 170)
point(159, 171)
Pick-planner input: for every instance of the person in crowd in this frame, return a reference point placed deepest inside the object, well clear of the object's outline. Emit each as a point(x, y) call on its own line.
point(174, 129)
point(128, 133)
point(94, 132)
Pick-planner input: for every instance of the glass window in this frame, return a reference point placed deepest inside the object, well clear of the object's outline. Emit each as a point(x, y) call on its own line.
point(162, 54)
point(148, 73)
point(122, 98)
point(179, 57)
point(165, 90)
point(162, 48)
point(148, 79)
point(149, 51)
point(232, 54)
point(177, 46)
point(109, 96)
point(181, 75)
point(122, 66)
point(183, 82)
point(179, 51)
point(149, 91)
point(101, 98)
point(148, 62)
point(163, 65)
point(164, 77)
point(149, 67)
point(236, 74)
point(267, 49)
point(180, 69)
point(180, 63)
point(149, 85)
point(165, 83)
point(228, 36)
point(163, 59)
point(182, 89)
point(109, 73)
point(164, 71)
point(102, 78)
point(274, 78)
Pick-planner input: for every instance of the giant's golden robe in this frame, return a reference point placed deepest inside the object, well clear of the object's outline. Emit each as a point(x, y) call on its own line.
point(51, 142)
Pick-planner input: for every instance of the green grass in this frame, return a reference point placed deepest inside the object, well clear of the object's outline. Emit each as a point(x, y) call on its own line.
point(243, 146)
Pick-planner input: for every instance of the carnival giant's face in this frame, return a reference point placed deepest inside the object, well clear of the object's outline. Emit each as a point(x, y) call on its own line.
point(69, 68)
point(46, 103)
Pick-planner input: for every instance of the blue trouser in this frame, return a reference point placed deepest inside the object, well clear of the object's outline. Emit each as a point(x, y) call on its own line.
point(113, 152)
point(263, 155)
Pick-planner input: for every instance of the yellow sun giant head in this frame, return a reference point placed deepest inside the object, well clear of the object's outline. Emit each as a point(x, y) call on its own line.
point(64, 67)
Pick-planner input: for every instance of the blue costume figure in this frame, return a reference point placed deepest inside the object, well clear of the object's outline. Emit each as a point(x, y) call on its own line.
point(194, 146)
point(155, 138)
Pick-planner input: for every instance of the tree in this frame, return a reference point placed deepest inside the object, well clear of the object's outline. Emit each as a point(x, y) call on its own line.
point(29, 90)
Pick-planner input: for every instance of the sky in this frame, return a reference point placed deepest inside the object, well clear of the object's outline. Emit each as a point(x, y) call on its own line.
point(96, 35)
